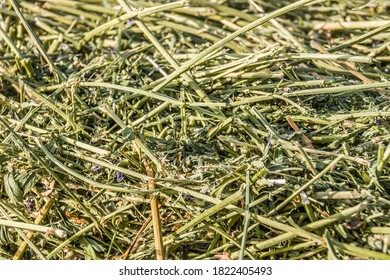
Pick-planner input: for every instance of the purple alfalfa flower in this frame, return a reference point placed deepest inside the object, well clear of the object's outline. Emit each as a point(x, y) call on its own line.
point(378, 122)
point(95, 168)
point(119, 176)
point(44, 186)
point(29, 204)
point(189, 197)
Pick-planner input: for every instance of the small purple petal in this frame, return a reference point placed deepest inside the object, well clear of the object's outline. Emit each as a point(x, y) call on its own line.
point(29, 204)
point(189, 197)
point(95, 168)
point(129, 22)
point(378, 122)
point(119, 177)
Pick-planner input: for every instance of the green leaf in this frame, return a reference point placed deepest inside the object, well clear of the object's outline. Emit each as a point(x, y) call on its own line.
point(27, 181)
point(4, 158)
point(12, 189)
point(5, 236)
point(128, 134)
point(96, 246)
point(88, 249)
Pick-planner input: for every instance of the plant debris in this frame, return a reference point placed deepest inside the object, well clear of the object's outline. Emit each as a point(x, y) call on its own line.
point(206, 129)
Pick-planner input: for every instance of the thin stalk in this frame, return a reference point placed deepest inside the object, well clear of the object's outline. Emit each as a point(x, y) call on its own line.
point(49, 170)
point(81, 177)
point(337, 89)
point(141, 13)
point(246, 217)
point(136, 238)
point(85, 230)
point(360, 252)
point(187, 65)
point(47, 230)
point(305, 186)
point(360, 38)
point(68, 140)
point(305, 139)
point(26, 62)
point(135, 137)
point(38, 44)
point(158, 239)
point(41, 216)
point(344, 214)
point(350, 25)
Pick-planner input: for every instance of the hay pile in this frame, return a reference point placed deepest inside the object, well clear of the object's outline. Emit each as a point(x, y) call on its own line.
point(210, 129)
